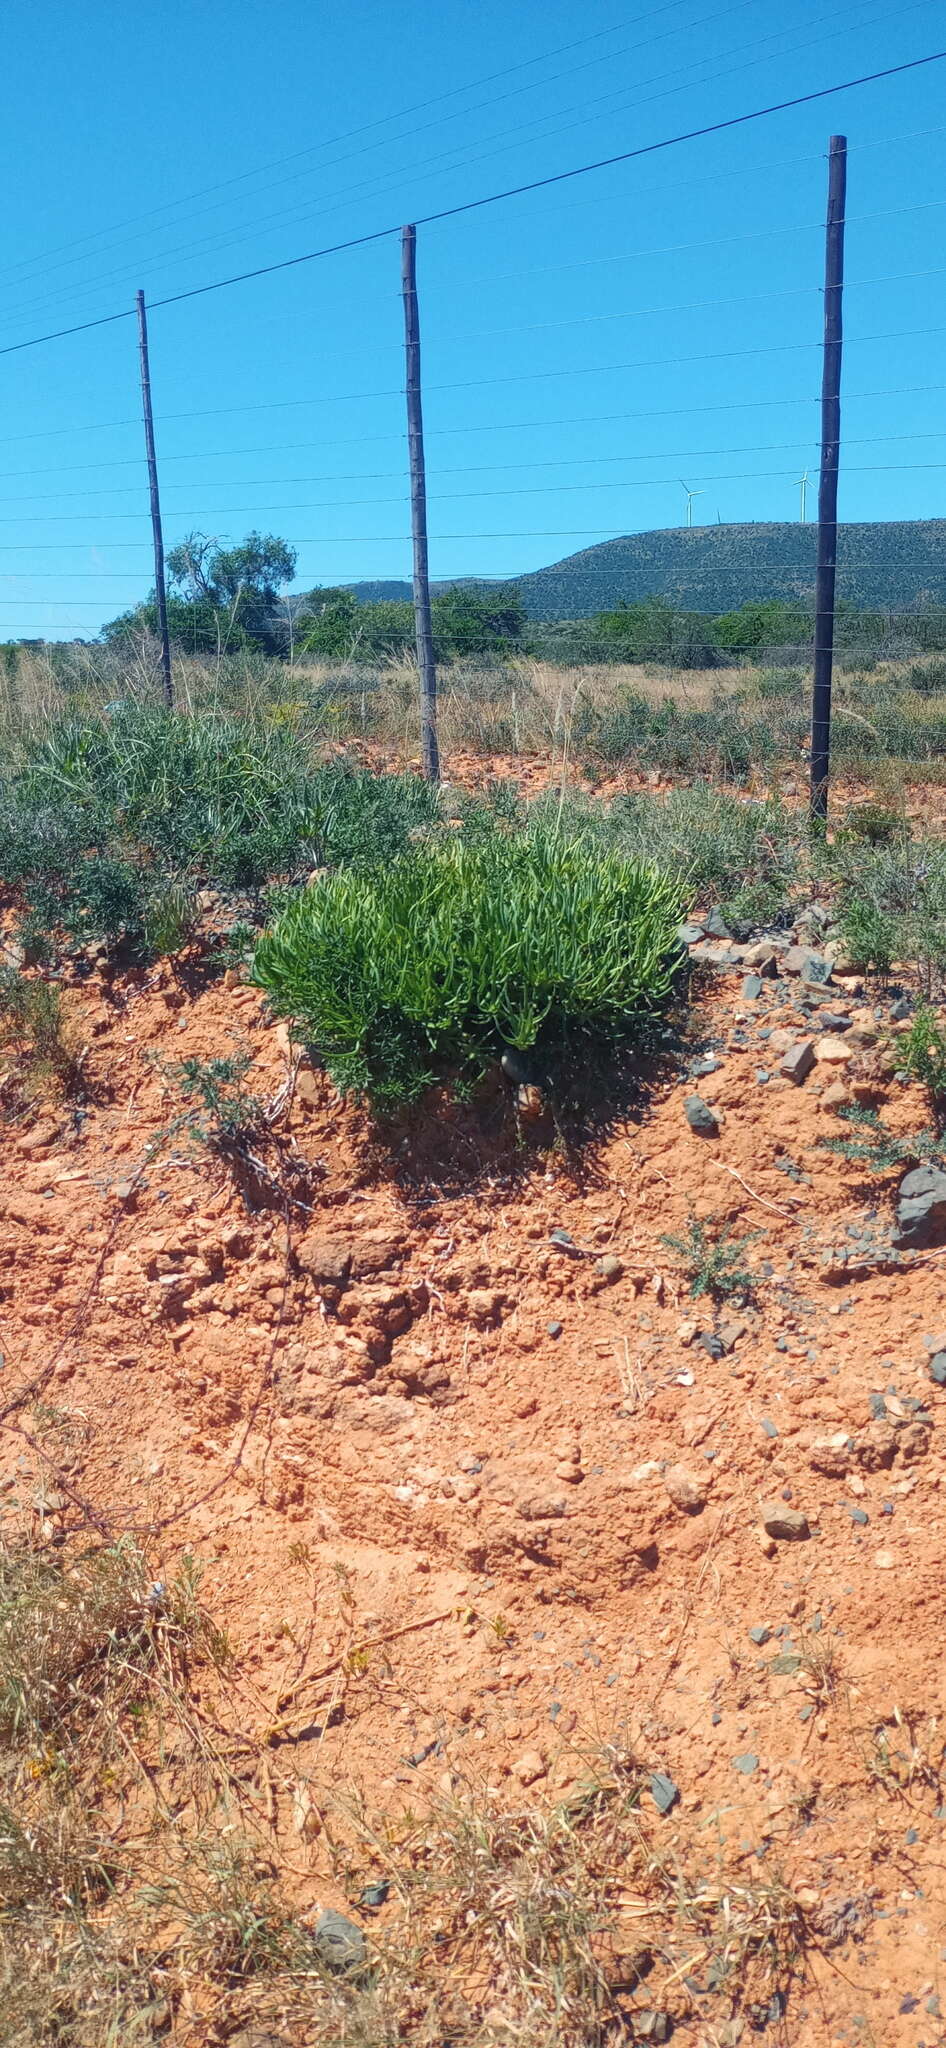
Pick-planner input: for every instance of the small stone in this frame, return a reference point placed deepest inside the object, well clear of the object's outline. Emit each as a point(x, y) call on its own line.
point(529, 1767)
point(663, 1791)
point(570, 1470)
point(885, 1561)
point(762, 959)
point(716, 927)
point(339, 1943)
point(687, 1492)
point(710, 1343)
point(833, 1051)
point(700, 1117)
point(798, 1062)
point(835, 1096)
point(787, 1525)
point(746, 1763)
point(938, 1368)
point(327, 1261)
point(729, 1332)
point(610, 1267)
point(554, 1329)
point(690, 934)
point(541, 1507)
point(652, 2026)
point(812, 967)
point(760, 1636)
point(752, 988)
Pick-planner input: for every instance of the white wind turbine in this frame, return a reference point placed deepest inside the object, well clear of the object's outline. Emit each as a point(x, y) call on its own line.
point(690, 495)
point(802, 482)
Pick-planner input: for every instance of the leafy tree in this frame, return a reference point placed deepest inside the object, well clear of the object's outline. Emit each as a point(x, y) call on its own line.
point(471, 618)
point(330, 622)
point(773, 622)
point(339, 627)
point(217, 596)
point(654, 631)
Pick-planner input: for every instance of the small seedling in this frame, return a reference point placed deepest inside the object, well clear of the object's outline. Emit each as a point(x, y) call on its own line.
point(712, 1260)
point(873, 1146)
point(215, 1087)
point(32, 1020)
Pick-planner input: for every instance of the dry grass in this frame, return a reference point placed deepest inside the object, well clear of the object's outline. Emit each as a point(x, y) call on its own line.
point(141, 1869)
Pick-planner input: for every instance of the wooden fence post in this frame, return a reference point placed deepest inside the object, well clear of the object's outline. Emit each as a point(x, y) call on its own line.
point(423, 631)
point(159, 583)
point(828, 487)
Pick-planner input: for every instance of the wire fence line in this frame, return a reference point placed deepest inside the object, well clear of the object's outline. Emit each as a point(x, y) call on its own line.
point(562, 476)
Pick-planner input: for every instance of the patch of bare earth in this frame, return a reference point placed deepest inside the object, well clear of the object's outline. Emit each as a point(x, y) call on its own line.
point(482, 1515)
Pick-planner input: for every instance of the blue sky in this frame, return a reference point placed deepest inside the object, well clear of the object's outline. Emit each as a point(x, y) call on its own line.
point(585, 347)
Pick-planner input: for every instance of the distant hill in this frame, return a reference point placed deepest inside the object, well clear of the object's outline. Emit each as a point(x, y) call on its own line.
point(897, 562)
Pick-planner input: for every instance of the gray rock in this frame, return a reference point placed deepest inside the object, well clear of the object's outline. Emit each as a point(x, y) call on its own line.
point(798, 1061)
point(921, 1206)
point(339, 1943)
point(716, 927)
point(690, 934)
point(746, 1763)
point(652, 2026)
point(752, 988)
point(663, 1791)
point(713, 953)
point(833, 1020)
point(787, 1525)
point(938, 1368)
point(700, 1117)
point(901, 1010)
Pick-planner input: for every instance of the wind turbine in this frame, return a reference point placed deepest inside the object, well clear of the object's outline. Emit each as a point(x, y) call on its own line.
point(690, 495)
point(802, 482)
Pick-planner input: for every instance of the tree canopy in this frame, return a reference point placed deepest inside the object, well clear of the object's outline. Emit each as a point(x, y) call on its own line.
point(218, 596)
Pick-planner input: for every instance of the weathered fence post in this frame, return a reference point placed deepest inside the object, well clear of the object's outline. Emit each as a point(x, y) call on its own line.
point(828, 487)
point(159, 584)
point(423, 630)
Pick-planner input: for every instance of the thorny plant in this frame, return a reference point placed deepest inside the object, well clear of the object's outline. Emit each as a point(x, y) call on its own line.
point(711, 1259)
point(239, 1129)
point(872, 1145)
point(905, 1754)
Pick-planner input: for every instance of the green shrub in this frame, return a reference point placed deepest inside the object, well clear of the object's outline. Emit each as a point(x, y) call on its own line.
point(721, 849)
point(923, 1057)
point(711, 1260)
point(32, 1018)
point(869, 936)
point(780, 684)
point(928, 678)
point(425, 970)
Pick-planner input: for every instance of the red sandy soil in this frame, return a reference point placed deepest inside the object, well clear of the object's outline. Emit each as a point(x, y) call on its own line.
point(417, 1452)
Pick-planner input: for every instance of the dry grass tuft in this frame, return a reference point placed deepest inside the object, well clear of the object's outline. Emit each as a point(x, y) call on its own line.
point(144, 1884)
